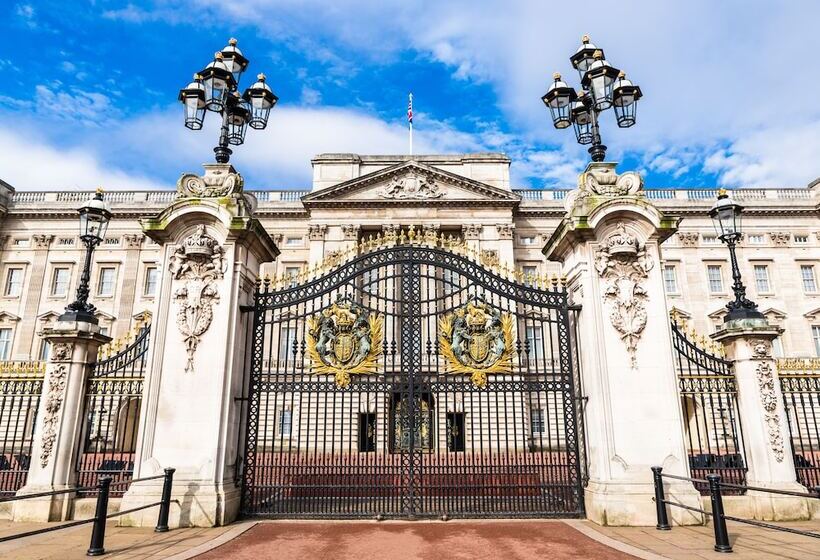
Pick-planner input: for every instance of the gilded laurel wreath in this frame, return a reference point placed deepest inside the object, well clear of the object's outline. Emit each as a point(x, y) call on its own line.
point(477, 340)
point(344, 340)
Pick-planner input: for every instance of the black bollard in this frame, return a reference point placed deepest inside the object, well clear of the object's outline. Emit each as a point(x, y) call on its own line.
point(165, 506)
point(660, 505)
point(721, 534)
point(97, 546)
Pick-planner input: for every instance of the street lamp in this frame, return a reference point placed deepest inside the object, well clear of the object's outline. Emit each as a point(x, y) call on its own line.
point(726, 216)
point(603, 87)
point(216, 88)
point(94, 217)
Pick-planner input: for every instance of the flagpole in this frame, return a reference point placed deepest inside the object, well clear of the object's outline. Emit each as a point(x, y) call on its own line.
point(410, 120)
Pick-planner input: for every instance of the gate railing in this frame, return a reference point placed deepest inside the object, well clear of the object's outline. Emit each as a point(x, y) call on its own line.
point(113, 400)
point(20, 386)
point(800, 384)
point(708, 392)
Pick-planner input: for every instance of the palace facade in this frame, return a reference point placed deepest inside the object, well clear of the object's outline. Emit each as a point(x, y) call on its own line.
point(355, 197)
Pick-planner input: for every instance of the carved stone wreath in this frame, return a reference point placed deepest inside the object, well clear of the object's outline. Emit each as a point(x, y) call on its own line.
point(53, 403)
point(199, 262)
point(624, 264)
point(768, 399)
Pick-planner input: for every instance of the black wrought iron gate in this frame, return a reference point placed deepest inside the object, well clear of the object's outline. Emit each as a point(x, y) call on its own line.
point(411, 382)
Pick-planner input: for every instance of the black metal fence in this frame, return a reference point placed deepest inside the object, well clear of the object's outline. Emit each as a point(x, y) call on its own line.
point(708, 392)
point(800, 384)
point(112, 410)
point(20, 386)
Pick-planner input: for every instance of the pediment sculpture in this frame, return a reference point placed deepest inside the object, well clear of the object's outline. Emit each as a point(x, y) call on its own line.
point(199, 262)
point(624, 264)
point(411, 186)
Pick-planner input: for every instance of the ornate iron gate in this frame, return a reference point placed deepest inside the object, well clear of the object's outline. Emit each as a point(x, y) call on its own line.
point(21, 384)
point(800, 384)
point(706, 381)
point(412, 382)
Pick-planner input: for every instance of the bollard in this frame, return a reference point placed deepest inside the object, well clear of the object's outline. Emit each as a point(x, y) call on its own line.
point(721, 534)
point(165, 506)
point(660, 506)
point(97, 546)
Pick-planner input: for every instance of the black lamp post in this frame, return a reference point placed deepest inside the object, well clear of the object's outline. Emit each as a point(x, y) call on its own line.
point(216, 89)
point(603, 87)
point(94, 217)
point(726, 215)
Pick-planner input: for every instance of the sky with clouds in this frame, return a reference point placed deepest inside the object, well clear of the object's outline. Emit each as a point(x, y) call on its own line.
point(89, 90)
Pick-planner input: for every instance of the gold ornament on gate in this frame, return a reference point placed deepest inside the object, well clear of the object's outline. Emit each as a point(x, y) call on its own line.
point(343, 340)
point(477, 340)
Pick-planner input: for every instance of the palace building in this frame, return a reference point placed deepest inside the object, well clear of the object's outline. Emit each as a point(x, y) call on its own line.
point(411, 336)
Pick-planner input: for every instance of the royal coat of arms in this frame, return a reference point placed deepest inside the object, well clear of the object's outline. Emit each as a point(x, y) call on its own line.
point(343, 340)
point(477, 339)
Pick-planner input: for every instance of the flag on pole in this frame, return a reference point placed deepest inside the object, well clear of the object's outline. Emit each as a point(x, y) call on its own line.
point(410, 109)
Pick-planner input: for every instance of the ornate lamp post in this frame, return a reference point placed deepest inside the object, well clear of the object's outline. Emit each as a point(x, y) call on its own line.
point(603, 87)
point(216, 89)
point(94, 217)
point(726, 216)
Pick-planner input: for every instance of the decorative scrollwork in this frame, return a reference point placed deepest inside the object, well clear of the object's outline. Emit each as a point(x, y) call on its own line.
point(219, 180)
point(768, 399)
point(54, 401)
point(343, 340)
point(477, 340)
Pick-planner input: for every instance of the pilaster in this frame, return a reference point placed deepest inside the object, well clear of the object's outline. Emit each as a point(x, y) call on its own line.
point(131, 265)
point(59, 422)
point(34, 293)
point(609, 247)
point(762, 417)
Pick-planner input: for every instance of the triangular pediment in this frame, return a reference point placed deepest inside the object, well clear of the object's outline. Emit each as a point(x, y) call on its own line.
point(6, 317)
point(411, 182)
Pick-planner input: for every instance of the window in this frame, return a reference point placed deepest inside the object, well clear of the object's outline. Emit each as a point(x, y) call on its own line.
point(287, 343)
point(45, 350)
point(104, 331)
point(537, 420)
point(21, 242)
point(65, 242)
point(809, 279)
point(108, 276)
point(670, 279)
point(5, 343)
point(715, 276)
point(528, 240)
point(757, 239)
point(60, 280)
point(815, 335)
point(530, 274)
point(535, 338)
point(292, 272)
point(285, 423)
point(151, 277)
point(370, 281)
point(710, 240)
point(14, 282)
point(109, 241)
point(801, 239)
point(367, 432)
point(293, 241)
point(451, 281)
point(455, 431)
point(762, 279)
point(777, 348)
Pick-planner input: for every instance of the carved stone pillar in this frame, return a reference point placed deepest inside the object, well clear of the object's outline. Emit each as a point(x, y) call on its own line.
point(58, 426)
point(472, 235)
point(27, 345)
point(212, 250)
point(130, 287)
point(762, 417)
point(506, 254)
point(609, 246)
point(316, 238)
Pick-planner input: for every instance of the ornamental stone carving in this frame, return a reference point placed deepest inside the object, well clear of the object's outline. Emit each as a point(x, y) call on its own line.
point(761, 349)
point(411, 186)
point(42, 241)
point(624, 265)
point(351, 231)
point(199, 262)
point(220, 179)
point(599, 179)
point(62, 352)
point(316, 232)
point(53, 403)
point(471, 231)
point(278, 238)
point(688, 238)
point(768, 399)
point(505, 231)
point(133, 240)
point(780, 238)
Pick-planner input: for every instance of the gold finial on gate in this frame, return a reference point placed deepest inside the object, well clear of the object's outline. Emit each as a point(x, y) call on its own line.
point(563, 283)
point(401, 236)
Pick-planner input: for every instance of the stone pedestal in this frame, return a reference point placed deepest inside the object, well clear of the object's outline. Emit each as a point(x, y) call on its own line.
point(212, 250)
point(59, 422)
point(762, 416)
point(609, 248)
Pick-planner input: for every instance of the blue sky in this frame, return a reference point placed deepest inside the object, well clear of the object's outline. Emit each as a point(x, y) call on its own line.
point(89, 95)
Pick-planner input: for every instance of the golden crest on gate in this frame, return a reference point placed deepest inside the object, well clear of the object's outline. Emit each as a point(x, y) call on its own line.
point(343, 340)
point(477, 339)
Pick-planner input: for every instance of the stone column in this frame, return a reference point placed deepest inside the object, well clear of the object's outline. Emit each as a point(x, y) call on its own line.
point(130, 286)
point(34, 293)
point(762, 417)
point(609, 247)
point(59, 422)
point(212, 251)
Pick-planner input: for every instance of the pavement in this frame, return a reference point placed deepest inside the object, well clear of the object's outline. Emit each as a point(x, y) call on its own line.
point(400, 540)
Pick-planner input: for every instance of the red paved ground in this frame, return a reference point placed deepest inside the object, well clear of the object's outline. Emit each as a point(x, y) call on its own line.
point(507, 540)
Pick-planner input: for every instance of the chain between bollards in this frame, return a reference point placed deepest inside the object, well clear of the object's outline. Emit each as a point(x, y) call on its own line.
point(165, 506)
point(97, 547)
point(718, 520)
point(660, 504)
